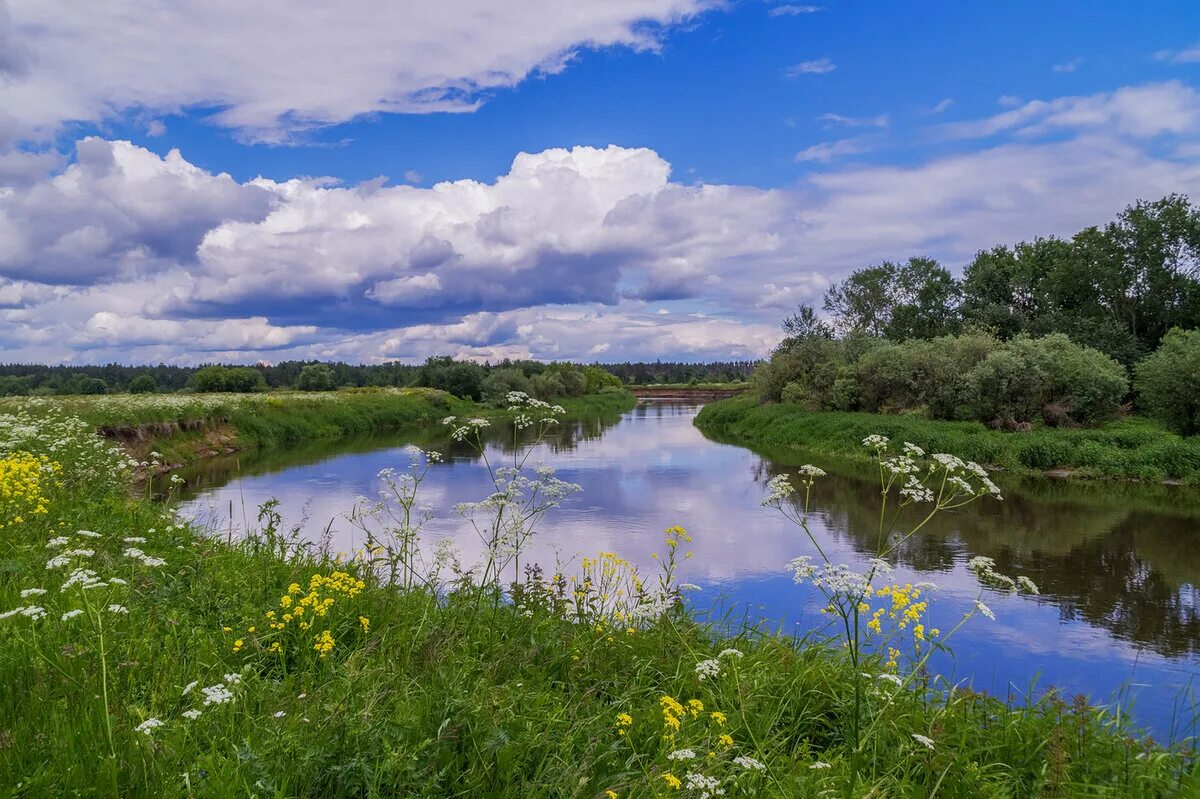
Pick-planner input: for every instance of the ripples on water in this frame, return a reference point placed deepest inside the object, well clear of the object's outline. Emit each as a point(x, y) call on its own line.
point(1117, 565)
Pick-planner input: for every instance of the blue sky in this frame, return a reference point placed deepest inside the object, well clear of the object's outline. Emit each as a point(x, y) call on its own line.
point(197, 181)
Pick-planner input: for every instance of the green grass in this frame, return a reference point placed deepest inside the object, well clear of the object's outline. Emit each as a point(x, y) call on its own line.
point(188, 427)
point(1132, 448)
point(452, 694)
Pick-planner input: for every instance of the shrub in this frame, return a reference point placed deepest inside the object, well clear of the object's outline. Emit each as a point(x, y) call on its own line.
point(501, 381)
point(239, 379)
point(143, 384)
point(315, 377)
point(547, 386)
point(1168, 382)
point(1004, 387)
point(1082, 385)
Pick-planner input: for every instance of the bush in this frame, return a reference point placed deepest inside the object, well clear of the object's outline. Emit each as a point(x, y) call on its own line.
point(237, 379)
point(1082, 385)
point(315, 377)
point(597, 379)
point(1168, 382)
point(1004, 388)
point(501, 381)
point(547, 386)
point(90, 385)
point(143, 384)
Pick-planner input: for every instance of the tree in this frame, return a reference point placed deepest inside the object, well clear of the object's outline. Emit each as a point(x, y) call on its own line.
point(805, 322)
point(863, 302)
point(1168, 382)
point(315, 377)
point(915, 299)
point(143, 384)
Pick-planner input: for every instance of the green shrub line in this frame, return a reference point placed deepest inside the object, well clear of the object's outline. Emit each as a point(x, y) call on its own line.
point(1133, 448)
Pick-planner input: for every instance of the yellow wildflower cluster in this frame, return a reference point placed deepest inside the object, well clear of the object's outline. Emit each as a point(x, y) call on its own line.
point(24, 480)
point(301, 610)
point(906, 610)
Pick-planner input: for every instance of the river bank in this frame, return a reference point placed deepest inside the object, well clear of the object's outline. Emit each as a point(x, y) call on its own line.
point(186, 428)
point(161, 677)
point(1130, 449)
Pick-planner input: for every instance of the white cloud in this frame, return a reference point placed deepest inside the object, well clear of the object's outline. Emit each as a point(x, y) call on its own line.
point(1188, 55)
point(831, 150)
point(880, 121)
point(793, 10)
point(942, 105)
point(128, 255)
point(1067, 66)
point(275, 66)
point(818, 66)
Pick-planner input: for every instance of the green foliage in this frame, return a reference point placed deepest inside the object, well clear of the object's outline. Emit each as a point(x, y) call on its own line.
point(461, 378)
point(90, 385)
point(143, 384)
point(501, 381)
point(1131, 448)
point(916, 299)
point(315, 377)
point(232, 379)
point(547, 386)
point(1168, 382)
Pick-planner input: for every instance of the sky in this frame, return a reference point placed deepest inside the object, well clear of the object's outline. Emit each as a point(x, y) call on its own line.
point(191, 181)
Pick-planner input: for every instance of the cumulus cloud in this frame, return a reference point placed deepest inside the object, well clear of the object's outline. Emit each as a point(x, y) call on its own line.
point(130, 255)
point(274, 66)
point(1187, 55)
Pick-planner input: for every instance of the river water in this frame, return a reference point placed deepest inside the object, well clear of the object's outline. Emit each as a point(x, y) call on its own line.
point(1118, 618)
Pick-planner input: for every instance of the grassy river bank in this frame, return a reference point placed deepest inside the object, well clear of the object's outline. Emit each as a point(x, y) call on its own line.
point(1128, 449)
point(141, 658)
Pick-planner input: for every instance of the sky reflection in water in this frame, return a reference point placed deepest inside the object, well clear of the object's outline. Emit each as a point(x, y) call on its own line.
point(1117, 567)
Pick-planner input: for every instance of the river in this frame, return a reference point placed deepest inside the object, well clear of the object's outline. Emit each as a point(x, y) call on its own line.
point(1117, 618)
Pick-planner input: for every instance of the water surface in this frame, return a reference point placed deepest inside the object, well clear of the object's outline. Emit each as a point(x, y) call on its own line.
point(1117, 565)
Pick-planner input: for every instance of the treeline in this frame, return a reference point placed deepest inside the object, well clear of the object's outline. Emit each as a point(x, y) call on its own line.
point(1061, 332)
point(34, 379)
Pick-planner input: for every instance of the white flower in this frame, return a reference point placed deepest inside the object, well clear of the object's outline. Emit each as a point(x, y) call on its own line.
point(88, 534)
point(705, 786)
point(923, 740)
point(985, 610)
point(682, 754)
point(876, 442)
point(1026, 585)
point(913, 451)
point(708, 668)
point(147, 726)
point(189, 687)
point(70, 614)
point(819, 765)
point(216, 694)
point(892, 678)
point(689, 587)
point(116, 581)
point(729, 653)
point(134, 539)
point(810, 471)
point(117, 609)
point(191, 714)
point(58, 541)
point(748, 763)
point(951, 463)
point(280, 714)
point(233, 679)
point(779, 488)
point(28, 592)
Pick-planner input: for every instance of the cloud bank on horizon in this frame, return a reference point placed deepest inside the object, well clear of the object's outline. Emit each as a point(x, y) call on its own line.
point(116, 250)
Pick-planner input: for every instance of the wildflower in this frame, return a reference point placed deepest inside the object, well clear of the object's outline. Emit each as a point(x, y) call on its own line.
point(1026, 585)
point(725, 739)
point(134, 539)
point(779, 488)
point(875, 442)
point(324, 644)
point(705, 786)
point(748, 763)
point(88, 534)
point(28, 592)
point(191, 714)
point(718, 717)
point(117, 581)
point(216, 694)
point(810, 471)
point(233, 678)
point(624, 722)
point(820, 765)
point(923, 740)
point(682, 754)
point(189, 687)
point(70, 614)
point(117, 609)
point(610, 794)
point(892, 678)
point(280, 714)
point(912, 450)
point(708, 668)
point(238, 644)
point(985, 610)
point(729, 653)
point(695, 707)
point(364, 622)
point(672, 781)
point(57, 541)
point(147, 726)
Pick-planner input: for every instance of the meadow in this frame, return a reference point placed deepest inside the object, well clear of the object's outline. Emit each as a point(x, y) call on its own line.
point(1133, 448)
point(142, 656)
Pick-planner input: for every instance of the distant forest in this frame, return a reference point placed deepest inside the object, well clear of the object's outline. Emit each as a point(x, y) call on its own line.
point(42, 380)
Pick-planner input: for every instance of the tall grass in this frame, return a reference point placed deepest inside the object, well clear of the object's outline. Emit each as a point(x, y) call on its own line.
point(1132, 448)
point(531, 690)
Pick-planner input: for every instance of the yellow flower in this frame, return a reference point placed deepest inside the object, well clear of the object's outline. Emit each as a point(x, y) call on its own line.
point(624, 722)
point(696, 707)
point(275, 647)
point(226, 629)
point(725, 739)
point(237, 645)
point(324, 644)
point(610, 795)
point(717, 716)
point(364, 622)
point(672, 780)
point(251, 629)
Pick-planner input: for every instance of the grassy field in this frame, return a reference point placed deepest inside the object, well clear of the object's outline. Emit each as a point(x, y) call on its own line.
point(1133, 448)
point(187, 427)
point(142, 659)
